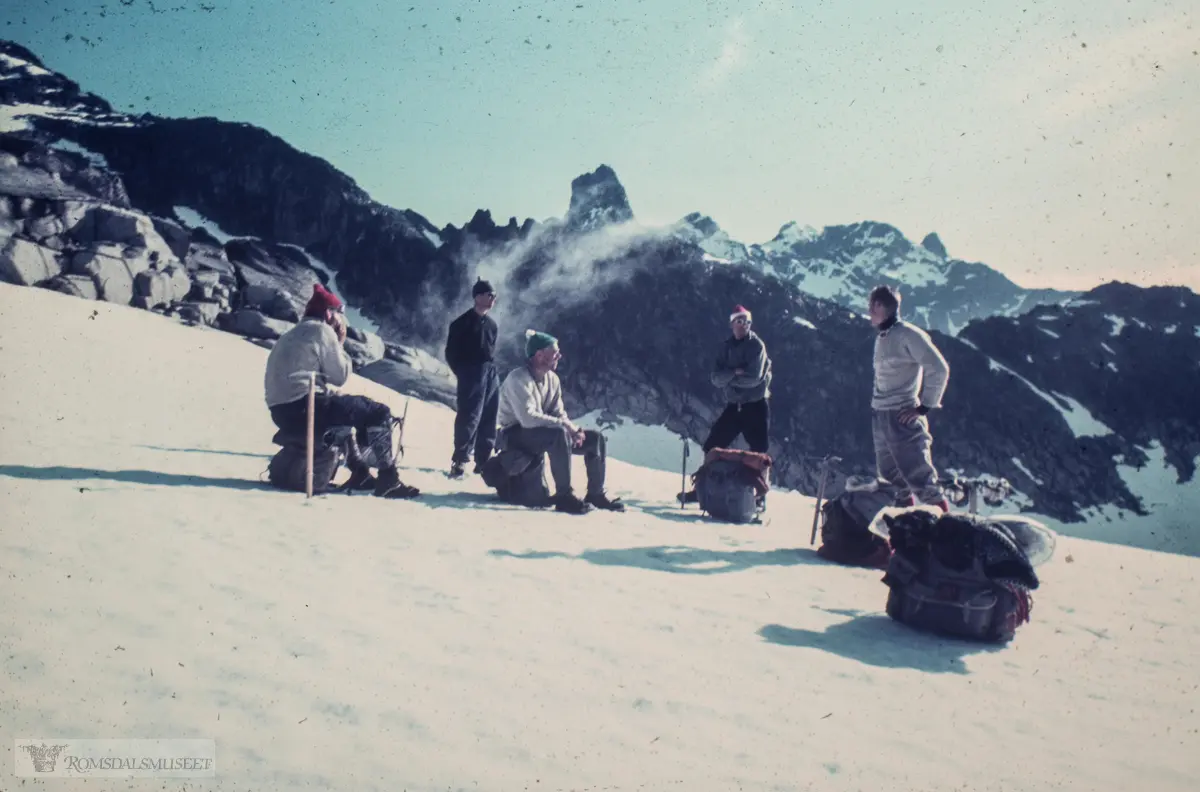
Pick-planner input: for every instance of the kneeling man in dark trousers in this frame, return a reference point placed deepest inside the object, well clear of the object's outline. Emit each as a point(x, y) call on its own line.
point(533, 419)
point(314, 345)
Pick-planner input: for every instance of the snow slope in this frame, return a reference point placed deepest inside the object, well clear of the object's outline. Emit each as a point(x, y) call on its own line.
point(152, 587)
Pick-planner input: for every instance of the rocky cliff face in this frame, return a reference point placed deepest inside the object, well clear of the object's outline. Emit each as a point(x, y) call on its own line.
point(1122, 362)
point(107, 206)
point(68, 223)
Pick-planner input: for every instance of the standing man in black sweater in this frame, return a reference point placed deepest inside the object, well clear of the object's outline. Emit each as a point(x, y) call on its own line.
point(470, 349)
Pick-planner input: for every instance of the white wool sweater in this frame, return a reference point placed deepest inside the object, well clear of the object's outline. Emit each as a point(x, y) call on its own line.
point(909, 369)
point(310, 346)
point(528, 403)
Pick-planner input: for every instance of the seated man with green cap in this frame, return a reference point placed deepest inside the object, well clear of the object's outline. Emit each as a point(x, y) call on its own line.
point(533, 419)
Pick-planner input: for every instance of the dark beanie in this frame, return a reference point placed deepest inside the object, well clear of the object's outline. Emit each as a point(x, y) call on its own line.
point(482, 287)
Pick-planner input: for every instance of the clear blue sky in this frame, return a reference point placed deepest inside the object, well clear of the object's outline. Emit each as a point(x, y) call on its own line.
point(1059, 141)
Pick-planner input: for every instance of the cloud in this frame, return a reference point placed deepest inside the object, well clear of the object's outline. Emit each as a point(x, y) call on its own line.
point(732, 56)
point(567, 278)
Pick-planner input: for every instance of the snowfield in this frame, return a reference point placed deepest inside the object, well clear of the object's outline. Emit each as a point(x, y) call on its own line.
point(153, 587)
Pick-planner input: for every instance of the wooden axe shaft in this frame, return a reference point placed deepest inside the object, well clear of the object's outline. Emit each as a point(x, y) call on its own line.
point(820, 497)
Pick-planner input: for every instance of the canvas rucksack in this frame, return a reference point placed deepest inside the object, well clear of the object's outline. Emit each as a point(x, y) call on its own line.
point(730, 483)
point(289, 467)
point(845, 536)
point(518, 478)
point(957, 575)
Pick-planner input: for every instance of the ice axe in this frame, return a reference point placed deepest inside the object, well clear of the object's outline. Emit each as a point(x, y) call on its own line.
point(403, 422)
point(825, 465)
point(683, 473)
point(308, 440)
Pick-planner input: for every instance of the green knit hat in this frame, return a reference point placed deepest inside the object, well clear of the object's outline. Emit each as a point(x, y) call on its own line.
point(536, 341)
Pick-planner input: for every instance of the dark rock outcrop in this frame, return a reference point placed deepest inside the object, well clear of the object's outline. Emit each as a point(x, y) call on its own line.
point(597, 199)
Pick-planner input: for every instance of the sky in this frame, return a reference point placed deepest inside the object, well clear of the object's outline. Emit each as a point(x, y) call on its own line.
point(1057, 141)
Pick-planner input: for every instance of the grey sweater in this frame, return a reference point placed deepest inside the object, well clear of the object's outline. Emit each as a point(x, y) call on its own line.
point(750, 355)
point(909, 369)
point(313, 346)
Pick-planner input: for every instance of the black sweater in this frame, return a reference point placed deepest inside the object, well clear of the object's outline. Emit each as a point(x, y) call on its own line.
point(471, 341)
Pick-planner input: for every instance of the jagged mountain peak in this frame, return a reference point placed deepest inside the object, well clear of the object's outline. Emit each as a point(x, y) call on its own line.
point(597, 199)
point(702, 223)
point(791, 233)
point(933, 243)
point(704, 232)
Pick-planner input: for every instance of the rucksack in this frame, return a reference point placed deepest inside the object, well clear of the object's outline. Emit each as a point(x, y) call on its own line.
point(957, 575)
point(288, 468)
point(730, 483)
point(518, 478)
point(845, 536)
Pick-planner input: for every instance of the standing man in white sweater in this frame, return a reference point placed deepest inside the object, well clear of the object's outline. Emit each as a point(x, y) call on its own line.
point(910, 379)
point(532, 418)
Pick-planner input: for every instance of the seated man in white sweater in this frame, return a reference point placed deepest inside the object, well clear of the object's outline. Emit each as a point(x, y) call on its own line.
point(315, 345)
point(532, 418)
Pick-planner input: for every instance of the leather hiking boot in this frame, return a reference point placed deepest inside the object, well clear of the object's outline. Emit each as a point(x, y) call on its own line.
point(360, 480)
point(570, 504)
point(401, 491)
point(360, 474)
point(389, 485)
point(602, 501)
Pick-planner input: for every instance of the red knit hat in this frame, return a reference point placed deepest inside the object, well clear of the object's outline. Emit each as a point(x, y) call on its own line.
point(742, 311)
point(322, 300)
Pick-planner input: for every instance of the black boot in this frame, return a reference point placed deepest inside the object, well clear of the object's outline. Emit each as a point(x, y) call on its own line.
point(360, 475)
point(570, 503)
point(601, 501)
point(389, 485)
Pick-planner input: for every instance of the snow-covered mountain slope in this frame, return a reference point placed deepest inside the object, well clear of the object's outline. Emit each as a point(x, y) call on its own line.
point(153, 586)
point(843, 264)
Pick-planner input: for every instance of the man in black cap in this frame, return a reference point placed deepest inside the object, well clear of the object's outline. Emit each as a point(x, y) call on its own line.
point(470, 349)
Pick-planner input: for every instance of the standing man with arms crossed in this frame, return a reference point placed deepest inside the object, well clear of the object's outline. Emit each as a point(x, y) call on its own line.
point(742, 370)
point(910, 379)
point(470, 350)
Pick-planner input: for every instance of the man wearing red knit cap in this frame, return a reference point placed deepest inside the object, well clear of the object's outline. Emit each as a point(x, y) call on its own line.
point(743, 371)
point(314, 345)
